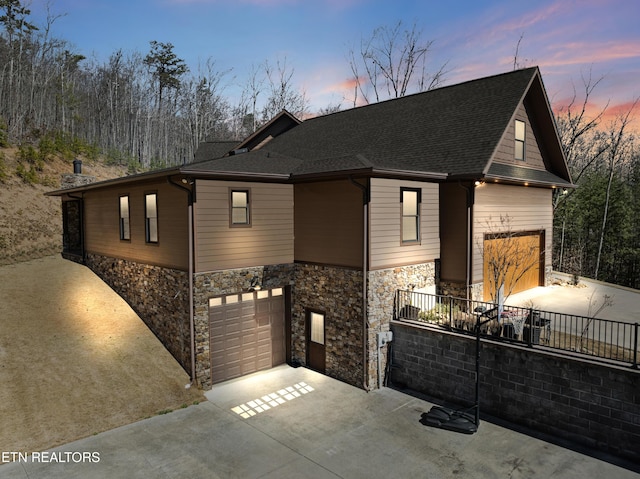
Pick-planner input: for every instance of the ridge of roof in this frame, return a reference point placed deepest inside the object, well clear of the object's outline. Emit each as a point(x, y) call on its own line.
point(423, 132)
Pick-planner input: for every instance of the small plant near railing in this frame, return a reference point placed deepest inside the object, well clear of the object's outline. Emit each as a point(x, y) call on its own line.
point(438, 314)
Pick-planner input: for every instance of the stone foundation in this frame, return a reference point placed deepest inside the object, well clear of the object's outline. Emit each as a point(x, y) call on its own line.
point(459, 290)
point(211, 284)
point(381, 295)
point(338, 293)
point(160, 296)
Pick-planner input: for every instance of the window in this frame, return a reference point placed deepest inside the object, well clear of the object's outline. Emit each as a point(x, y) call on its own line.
point(239, 205)
point(125, 233)
point(316, 327)
point(151, 217)
point(520, 137)
point(410, 203)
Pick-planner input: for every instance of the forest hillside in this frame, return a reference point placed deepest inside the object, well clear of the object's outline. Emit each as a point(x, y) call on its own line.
point(30, 222)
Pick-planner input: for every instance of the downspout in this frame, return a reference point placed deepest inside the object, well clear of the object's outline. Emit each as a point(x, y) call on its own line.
point(365, 260)
point(190, 197)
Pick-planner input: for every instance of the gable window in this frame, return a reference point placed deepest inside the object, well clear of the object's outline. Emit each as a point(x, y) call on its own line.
point(125, 233)
point(410, 203)
point(151, 217)
point(520, 138)
point(240, 214)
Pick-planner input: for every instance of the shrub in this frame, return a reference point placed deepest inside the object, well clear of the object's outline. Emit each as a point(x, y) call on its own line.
point(4, 136)
point(27, 153)
point(28, 174)
point(3, 168)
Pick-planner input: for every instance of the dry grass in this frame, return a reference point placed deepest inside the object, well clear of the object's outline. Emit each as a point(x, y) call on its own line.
point(590, 347)
point(75, 360)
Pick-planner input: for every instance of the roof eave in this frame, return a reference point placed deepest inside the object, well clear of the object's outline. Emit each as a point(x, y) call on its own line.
point(372, 172)
point(526, 182)
point(236, 175)
point(152, 175)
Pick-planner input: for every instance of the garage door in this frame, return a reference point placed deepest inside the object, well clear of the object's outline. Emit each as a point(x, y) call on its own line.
point(517, 259)
point(246, 333)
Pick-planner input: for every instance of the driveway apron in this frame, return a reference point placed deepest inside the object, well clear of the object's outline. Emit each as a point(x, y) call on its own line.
point(293, 422)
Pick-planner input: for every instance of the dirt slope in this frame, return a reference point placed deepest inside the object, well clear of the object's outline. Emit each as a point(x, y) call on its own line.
point(30, 222)
point(75, 360)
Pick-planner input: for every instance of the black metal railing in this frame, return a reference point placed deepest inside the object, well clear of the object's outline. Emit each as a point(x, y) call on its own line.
point(598, 338)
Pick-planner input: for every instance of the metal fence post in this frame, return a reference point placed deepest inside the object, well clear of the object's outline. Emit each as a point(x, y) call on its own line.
point(530, 324)
point(450, 311)
point(635, 347)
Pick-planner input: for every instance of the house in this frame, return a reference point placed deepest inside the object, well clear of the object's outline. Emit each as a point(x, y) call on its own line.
point(290, 246)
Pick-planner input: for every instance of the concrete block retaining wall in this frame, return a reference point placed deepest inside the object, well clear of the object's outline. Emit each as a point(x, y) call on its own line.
point(590, 403)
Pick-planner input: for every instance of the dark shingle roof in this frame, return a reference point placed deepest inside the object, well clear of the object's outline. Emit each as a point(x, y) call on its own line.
point(514, 172)
point(209, 150)
point(452, 130)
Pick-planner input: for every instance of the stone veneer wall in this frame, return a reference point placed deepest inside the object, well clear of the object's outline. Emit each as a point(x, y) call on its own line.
point(216, 283)
point(382, 288)
point(338, 293)
point(160, 296)
point(459, 290)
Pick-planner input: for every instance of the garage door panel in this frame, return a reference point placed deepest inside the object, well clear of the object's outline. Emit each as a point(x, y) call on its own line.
point(246, 334)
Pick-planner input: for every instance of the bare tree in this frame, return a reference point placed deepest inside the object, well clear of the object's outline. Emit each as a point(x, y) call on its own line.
point(577, 135)
point(282, 93)
point(507, 257)
point(391, 63)
point(244, 120)
point(618, 150)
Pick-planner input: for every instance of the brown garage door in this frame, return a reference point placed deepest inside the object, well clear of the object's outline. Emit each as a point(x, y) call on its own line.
point(518, 258)
point(246, 333)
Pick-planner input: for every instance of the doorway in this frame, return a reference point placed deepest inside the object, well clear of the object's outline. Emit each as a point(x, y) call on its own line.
point(316, 351)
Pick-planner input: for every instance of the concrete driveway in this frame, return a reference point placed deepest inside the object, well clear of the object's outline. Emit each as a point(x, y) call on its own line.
point(292, 423)
point(583, 299)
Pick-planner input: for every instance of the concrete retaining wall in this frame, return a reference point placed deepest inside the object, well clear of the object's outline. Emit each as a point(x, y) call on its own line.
point(590, 403)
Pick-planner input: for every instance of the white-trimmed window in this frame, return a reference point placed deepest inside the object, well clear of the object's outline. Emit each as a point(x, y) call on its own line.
point(239, 207)
point(125, 232)
point(151, 217)
point(410, 199)
point(520, 140)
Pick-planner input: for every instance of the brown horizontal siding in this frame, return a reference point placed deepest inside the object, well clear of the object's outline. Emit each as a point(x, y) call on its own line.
point(102, 225)
point(269, 239)
point(505, 152)
point(329, 223)
point(529, 209)
point(386, 248)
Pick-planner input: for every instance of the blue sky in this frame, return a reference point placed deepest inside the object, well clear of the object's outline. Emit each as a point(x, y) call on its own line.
point(566, 38)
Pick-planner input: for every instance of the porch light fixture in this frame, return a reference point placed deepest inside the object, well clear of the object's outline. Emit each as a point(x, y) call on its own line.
point(255, 284)
point(479, 183)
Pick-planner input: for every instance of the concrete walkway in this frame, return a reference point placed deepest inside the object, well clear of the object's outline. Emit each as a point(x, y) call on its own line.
point(293, 423)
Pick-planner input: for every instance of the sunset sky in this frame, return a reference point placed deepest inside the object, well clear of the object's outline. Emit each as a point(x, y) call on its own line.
point(567, 39)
